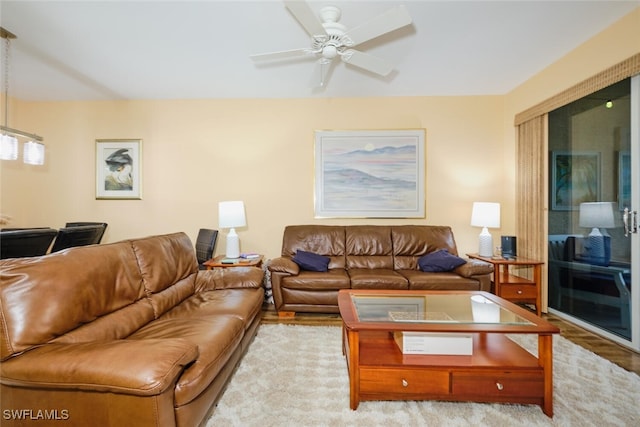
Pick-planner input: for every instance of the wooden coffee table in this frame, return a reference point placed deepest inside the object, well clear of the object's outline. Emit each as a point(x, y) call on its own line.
point(496, 370)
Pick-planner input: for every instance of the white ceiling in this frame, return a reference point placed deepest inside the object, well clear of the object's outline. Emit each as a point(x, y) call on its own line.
point(95, 50)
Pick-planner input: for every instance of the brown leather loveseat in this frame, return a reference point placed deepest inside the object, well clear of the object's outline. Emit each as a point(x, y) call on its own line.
point(122, 334)
point(366, 257)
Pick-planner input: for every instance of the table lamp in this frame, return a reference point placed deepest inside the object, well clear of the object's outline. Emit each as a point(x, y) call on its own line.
point(485, 214)
point(231, 215)
point(598, 216)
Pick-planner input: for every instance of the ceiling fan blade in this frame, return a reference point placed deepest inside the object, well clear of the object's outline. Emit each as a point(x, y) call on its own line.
point(367, 61)
point(390, 20)
point(305, 16)
point(284, 54)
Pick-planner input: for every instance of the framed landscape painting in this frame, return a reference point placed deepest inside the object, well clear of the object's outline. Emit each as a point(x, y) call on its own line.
point(575, 179)
point(118, 169)
point(370, 174)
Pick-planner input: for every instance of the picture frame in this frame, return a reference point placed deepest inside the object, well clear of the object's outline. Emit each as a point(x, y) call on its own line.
point(575, 179)
point(624, 179)
point(370, 174)
point(119, 169)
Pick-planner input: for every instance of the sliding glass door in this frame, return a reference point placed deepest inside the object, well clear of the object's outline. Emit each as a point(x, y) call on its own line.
point(594, 188)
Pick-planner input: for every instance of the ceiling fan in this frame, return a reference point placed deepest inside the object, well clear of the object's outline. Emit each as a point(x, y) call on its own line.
point(331, 39)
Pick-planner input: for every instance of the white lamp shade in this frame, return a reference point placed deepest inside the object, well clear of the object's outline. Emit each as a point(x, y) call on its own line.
point(8, 147)
point(485, 214)
point(596, 215)
point(33, 153)
point(231, 214)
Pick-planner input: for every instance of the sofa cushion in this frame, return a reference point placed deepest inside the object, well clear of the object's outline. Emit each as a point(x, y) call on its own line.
point(328, 240)
point(310, 261)
point(380, 278)
point(318, 281)
point(46, 297)
point(242, 303)
point(134, 367)
point(158, 276)
point(369, 246)
point(216, 336)
point(440, 260)
point(441, 281)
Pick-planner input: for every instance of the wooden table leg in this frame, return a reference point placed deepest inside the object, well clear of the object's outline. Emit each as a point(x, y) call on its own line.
point(354, 369)
point(537, 278)
point(545, 359)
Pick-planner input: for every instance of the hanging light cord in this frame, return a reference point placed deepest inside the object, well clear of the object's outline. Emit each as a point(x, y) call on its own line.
point(7, 48)
point(7, 36)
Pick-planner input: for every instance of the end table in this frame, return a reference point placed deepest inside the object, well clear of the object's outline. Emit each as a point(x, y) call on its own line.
point(516, 288)
point(238, 262)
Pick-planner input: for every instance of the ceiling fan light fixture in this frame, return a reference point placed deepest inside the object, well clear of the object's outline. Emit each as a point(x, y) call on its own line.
point(329, 51)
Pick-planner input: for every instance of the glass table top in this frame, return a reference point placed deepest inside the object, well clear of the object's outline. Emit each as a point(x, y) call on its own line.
point(460, 308)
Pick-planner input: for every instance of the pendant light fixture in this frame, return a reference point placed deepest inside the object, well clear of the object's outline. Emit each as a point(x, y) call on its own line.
point(33, 153)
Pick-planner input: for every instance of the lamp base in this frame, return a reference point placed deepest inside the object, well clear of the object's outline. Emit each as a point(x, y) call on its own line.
point(486, 243)
point(233, 244)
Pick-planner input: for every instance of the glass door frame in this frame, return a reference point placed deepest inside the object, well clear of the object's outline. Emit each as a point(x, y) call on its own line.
point(634, 342)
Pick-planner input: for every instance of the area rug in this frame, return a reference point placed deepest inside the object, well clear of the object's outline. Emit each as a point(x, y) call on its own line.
point(297, 376)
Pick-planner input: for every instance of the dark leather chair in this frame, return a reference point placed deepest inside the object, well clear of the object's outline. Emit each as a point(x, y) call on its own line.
point(82, 223)
point(25, 242)
point(205, 245)
point(80, 235)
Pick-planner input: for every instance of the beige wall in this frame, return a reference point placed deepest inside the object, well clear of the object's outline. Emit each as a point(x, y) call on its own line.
point(199, 152)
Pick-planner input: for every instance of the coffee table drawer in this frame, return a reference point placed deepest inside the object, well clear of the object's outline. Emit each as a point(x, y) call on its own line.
point(517, 384)
point(518, 291)
point(389, 380)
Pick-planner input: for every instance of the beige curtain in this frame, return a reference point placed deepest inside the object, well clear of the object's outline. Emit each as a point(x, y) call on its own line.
point(532, 194)
point(532, 163)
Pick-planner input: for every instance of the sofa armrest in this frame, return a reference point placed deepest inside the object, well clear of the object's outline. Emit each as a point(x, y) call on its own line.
point(474, 267)
point(284, 265)
point(229, 278)
point(135, 367)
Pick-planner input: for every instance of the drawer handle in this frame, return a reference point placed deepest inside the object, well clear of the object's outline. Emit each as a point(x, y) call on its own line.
point(499, 386)
point(519, 293)
point(405, 383)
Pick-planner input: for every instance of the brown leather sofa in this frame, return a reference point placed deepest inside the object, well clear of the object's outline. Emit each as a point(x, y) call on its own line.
point(365, 257)
point(123, 334)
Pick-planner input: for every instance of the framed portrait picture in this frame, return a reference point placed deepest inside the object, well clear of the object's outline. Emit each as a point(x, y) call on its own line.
point(575, 179)
point(370, 174)
point(118, 169)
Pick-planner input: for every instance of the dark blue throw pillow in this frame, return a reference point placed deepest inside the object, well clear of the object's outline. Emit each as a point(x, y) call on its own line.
point(440, 260)
point(311, 262)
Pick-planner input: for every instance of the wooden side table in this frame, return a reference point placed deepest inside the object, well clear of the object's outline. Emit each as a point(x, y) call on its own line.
point(238, 262)
point(516, 288)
